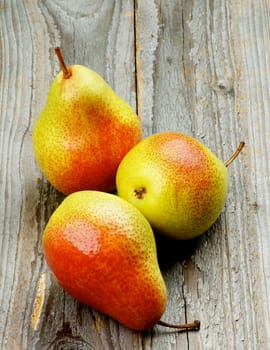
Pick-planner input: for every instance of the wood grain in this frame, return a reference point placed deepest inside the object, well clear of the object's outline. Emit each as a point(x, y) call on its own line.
point(200, 67)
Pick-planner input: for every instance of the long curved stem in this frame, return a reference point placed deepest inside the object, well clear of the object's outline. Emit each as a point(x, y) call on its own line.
point(66, 73)
point(235, 154)
point(195, 325)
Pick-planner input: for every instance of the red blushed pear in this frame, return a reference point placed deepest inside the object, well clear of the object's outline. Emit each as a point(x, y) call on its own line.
point(176, 182)
point(83, 132)
point(102, 251)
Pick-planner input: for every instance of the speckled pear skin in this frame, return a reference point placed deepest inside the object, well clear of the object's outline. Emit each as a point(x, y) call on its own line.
point(83, 132)
point(184, 184)
point(102, 251)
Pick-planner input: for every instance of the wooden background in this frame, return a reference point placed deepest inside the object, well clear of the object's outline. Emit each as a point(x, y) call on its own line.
point(197, 66)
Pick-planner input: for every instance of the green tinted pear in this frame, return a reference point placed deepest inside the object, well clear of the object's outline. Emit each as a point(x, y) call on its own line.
point(176, 182)
point(83, 132)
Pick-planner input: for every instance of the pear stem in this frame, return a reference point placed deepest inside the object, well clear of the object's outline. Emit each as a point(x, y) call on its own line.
point(66, 73)
point(195, 325)
point(235, 154)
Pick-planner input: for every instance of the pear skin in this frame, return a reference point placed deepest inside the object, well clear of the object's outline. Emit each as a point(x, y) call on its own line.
point(176, 182)
point(83, 132)
point(102, 251)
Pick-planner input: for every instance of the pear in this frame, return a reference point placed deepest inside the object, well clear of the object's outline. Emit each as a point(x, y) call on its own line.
point(102, 251)
point(83, 131)
point(176, 182)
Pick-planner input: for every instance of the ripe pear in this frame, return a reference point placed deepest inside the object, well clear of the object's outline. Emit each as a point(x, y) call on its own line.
point(83, 131)
point(102, 251)
point(176, 182)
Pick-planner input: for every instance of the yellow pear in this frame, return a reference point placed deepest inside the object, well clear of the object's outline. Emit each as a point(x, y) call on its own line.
point(83, 131)
point(176, 182)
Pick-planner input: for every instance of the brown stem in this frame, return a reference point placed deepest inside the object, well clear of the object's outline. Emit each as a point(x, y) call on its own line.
point(66, 73)
point(235, 154)
point(195, 325)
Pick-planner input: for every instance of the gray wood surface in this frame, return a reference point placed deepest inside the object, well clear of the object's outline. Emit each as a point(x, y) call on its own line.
point(197, 66)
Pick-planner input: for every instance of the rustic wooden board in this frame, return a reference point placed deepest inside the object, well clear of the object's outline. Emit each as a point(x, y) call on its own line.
point(200, 67)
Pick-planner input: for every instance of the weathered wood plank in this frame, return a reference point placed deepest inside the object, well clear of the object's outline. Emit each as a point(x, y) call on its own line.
point(200, 67)
point(101, 37)
point(207, 81)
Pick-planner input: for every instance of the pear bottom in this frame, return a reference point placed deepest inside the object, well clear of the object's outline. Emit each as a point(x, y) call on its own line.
point(176, 182)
